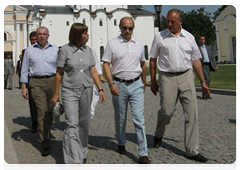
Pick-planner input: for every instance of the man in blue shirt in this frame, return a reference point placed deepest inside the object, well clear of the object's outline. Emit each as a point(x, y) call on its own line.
point(39, 63)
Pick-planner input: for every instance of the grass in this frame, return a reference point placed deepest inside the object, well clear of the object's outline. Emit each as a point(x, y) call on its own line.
point(224, 78)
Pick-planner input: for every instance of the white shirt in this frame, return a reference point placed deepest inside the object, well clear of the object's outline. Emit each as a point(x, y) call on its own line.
point(125, 57)
point(175, 52)
point(98, 65)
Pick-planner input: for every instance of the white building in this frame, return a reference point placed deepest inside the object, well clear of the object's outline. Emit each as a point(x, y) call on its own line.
point(102, 22)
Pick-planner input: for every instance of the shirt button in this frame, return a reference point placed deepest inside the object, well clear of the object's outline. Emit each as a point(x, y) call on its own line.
point(81, 70)
point(80, 59)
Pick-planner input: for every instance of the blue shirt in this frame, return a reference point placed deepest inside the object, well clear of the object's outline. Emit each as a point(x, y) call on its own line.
point(38, 61)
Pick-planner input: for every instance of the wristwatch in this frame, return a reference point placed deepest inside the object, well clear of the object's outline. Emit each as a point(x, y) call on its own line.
point(100, 90)
point(111, 84)
point(203, 82)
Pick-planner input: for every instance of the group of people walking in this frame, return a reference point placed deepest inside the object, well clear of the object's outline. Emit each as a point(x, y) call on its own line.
point(45, 67)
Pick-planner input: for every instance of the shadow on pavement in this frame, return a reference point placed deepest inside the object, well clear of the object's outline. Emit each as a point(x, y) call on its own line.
point(33, 138)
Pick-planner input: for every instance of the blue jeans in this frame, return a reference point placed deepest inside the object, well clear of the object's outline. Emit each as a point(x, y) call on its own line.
point(134, 94)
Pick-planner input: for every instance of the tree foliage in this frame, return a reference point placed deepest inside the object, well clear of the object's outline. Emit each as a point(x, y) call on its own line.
point(218, 12)
point(199, 23)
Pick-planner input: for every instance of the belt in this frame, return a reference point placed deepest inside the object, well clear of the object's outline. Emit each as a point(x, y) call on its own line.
point(206, 63)
point(126, 81)
point(177, 73)
point(39, 77)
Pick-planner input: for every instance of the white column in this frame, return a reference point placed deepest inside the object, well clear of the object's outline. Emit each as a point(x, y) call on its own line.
point(14, 54)
point(227, 44)
point(29, 31)
point(25, 39)
point(18, 52)
point(218, 46)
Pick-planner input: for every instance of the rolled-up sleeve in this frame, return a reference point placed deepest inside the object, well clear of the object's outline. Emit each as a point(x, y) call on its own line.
point(25, 67)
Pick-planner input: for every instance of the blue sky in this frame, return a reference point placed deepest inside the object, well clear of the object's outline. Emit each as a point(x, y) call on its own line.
point(185, 8)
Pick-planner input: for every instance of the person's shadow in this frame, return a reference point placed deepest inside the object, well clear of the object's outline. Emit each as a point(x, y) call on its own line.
point(95, 142)
point(33, 138)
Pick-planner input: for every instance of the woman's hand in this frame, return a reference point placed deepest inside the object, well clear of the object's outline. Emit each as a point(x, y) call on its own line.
point(55, 99)
point(102, 96)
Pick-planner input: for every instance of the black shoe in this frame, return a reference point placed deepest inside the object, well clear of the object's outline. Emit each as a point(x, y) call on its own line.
point(10, 88)
point(157, 142)
point(75, 167)
point(204, 98)
point(46, 151)
point(121, 149)
point(34, 129)
point(198, 157)
point(84, 160)
point(4, 87)
point(144, 160)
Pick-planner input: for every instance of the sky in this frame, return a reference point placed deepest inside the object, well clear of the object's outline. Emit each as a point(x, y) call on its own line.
point(185, 8)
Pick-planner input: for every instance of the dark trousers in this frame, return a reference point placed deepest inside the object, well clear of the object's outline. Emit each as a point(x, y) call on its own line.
point(33, 109)
point(206, 72)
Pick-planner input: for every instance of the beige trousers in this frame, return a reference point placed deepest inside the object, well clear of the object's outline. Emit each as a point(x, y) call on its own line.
point(171, 88)
point(42, 92)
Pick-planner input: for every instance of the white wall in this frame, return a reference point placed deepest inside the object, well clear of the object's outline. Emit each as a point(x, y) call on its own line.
point(58, 29)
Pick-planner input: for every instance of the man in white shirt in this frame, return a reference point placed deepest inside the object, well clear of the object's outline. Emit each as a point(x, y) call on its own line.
point(126, 55)
point(177, 54)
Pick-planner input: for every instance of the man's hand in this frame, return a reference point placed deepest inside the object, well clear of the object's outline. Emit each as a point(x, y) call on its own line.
point(205, 90)
point(24, 93)
point(154, 87)
point(114, 90)
point(102, 79)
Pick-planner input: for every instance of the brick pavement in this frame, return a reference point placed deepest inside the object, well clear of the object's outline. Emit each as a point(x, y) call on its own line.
point(217, 133)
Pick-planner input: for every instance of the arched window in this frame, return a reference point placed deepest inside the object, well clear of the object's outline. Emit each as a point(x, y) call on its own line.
point(5, 36)
point(146, 51)
point(100, 23)
point(101, 52)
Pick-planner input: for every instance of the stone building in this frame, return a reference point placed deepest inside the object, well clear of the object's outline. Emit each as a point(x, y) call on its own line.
point(102, 22)
point(225, 25)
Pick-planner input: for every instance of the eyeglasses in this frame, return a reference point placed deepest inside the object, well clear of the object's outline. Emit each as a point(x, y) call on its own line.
point(125, 28)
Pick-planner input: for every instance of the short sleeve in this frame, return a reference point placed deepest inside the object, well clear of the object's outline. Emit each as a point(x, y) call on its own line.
point(62, 56)
point(154, 52)
point(107, 56)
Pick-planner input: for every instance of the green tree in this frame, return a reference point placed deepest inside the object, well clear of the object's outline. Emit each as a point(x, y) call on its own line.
point(218, 12)
point(199, 23)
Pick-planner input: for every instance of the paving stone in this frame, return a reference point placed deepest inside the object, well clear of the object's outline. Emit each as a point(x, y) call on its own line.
point(216, 119)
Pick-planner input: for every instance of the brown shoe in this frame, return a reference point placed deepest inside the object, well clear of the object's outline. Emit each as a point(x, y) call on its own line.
point(121, 149)
point(144, 160)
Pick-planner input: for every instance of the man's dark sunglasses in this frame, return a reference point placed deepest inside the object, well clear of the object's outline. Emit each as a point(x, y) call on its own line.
point(125, 28)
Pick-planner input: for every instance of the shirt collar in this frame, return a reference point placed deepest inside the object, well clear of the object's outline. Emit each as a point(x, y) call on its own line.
point(182, 33)
point(74, 48)
point(37, 45)
point(121, 39)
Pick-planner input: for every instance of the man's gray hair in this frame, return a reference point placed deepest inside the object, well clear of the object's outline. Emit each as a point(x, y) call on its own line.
point(42, 27)
point(177, 11)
